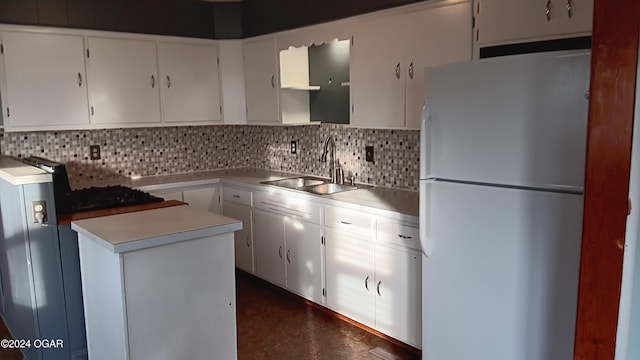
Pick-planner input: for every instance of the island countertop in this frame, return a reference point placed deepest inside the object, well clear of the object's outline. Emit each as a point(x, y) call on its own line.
point(144, 229)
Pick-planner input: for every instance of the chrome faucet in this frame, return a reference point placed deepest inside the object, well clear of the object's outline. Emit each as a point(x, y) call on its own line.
point(337, 175)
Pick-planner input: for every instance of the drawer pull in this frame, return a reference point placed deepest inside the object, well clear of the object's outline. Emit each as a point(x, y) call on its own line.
point(366, 283)
point(236, 196)
point(345, 222)
point(406, 237)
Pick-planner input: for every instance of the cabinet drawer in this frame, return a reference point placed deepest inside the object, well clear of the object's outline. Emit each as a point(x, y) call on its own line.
point(237, 196)
point(394, 232)
point(288, 206)
point(351, 221)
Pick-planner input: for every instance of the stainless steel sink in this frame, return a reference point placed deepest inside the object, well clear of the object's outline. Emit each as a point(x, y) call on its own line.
point(296, 182)
point(329, 188)
point(332, 188)
point(314, 185)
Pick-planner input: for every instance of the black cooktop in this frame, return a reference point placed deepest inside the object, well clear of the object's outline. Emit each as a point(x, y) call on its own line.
point(96, 198)
point(93, 198)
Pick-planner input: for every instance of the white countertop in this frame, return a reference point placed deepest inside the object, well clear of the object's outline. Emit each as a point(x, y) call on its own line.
point(19, 173)
point(144, 229)
point(386, 199)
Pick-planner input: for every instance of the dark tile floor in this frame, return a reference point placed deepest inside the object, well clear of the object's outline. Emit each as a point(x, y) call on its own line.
point(275, 325)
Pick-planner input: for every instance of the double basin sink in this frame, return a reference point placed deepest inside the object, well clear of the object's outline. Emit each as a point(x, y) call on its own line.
point(314, 185)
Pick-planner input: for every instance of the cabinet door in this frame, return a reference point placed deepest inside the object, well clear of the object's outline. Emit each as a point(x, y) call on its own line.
point(269, 248)
point(124, 81)
point(174, 195)
point(434, 37)
point(377, 73)
point(261, 81)
point(45, 80)
point(207, 199)
point(503, 21)
point(579, 19)
point(304, 258)
point(398, 290)
point(243, 238)
point(349, 276)
point(190, 82)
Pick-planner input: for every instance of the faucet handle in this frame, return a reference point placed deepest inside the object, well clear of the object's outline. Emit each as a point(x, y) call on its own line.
point(351, 179)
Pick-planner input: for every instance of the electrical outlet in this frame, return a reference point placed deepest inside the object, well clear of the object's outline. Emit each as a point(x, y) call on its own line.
point(368, 153)
point(39, 211)
point(294, 146)
point(94, 152)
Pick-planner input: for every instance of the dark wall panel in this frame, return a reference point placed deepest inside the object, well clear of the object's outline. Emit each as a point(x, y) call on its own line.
point(189, 18)
point(19, 11)
point(52, 12)
point(266, 16)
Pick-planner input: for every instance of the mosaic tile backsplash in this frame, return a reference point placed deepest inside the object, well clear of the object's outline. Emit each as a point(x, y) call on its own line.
point(167, 150)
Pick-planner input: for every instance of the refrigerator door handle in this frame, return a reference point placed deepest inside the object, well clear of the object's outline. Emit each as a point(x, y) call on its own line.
point(425, 242)
point(425, 125)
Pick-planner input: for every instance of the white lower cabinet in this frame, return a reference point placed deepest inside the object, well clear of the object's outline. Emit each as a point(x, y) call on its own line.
point(374, 279)
point(288, 247)
point(303, 242)
point(203, 197)
point(350, 279)
point(398, 293)
point(288, 253)
point(244, 237)
point(206, 198)
point(269, 246)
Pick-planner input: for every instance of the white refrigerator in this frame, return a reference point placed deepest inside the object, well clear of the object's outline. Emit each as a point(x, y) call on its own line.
point(501, 178)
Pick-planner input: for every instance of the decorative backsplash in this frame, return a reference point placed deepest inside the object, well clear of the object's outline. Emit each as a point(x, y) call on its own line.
point(160, 151)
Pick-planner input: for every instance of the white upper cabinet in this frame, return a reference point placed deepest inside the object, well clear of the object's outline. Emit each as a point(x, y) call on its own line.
point(190, 82)
point(261, 81)
point(389, 55)
point(61, 79)
point(510, 21)
point(124, 85)
point(45, 84)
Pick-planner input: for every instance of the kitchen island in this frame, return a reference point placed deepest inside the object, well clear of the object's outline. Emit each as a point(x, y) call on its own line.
point(159, 284)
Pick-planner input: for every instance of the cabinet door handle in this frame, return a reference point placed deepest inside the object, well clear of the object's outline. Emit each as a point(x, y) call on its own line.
point(547, 10)
point(366, 283)
point(398, 69)
point(411, 71)
point(273, 81)
point(168, 82)
point(289, 255)
point(569, 9)
point(406, 237)
point(247, 241)
point(280, 251)
point(345, 222)
point(378, 288)
point(79, 80)
point(153, 81)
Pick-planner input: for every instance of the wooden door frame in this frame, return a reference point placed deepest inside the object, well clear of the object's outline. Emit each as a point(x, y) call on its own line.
point(616, 28)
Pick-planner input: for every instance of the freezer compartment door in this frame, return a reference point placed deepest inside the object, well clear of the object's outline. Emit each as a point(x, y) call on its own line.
point(502, 277)
point(518, 120)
